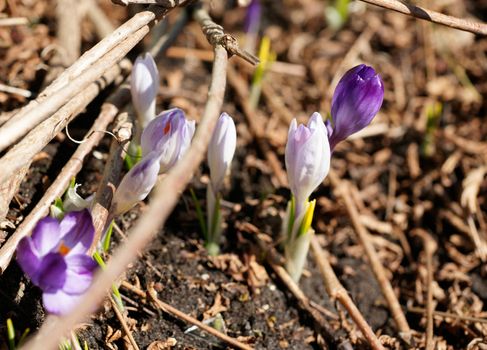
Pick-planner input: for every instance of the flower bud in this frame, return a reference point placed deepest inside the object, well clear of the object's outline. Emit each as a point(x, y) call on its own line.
point(357, 99)
point(169, 135)
point(144, 83)
point(221, 150)
point(307, 158)
point(136, 184)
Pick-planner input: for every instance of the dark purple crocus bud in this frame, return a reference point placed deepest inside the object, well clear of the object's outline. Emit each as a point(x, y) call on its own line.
point(55, 259)
point(357, 99)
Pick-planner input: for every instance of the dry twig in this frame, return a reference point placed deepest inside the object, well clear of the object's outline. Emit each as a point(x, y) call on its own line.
point(336, 291)
point(123, 323)
point(376, 266)
point(85, 70)
point(432, 16)
point(429, 249)
point(181, 315)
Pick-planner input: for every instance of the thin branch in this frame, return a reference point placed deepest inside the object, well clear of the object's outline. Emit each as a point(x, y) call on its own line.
point(22, 153)
point(123, 323)
point(376, 266)
point(111, 177)
point(115, 45)
point(163, 201)
point(181, 315)
point(432, 16)
point(430, 247)
point(336, 291)
point(108, 112)
point(216, 36)
point(14, 128)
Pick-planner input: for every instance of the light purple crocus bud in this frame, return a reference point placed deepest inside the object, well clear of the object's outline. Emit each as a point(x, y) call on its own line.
point(357, 99)
point(221, 150)
point(55, 259)
point(252, 17)
point(169, 135)
point(136, 184)
point(144, 83)
point(307, 158)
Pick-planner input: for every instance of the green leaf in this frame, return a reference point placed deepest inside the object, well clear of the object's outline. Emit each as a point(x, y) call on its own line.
point(108, 237)
point(10, 334)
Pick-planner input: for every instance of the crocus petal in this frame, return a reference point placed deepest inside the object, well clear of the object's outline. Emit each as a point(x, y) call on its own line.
point(59, 302)
point(46, 235)
point(79, 273)
point(356, 100)
point(169, 135)
point(307, 158)
point(136, 184)
point(52, 272)
point(144, 83)
point(77, 232)
point(221, 150)
point(28, 259)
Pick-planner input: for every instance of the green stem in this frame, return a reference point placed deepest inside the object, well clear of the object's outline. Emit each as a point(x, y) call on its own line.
point(199, 214)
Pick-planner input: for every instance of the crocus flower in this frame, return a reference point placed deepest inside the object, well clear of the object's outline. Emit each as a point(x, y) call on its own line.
point(169, 135)
point(136, 184)
point(55, 259)
point(357, 99)
point(307, 158)
point(221, 150)
point(144, 83)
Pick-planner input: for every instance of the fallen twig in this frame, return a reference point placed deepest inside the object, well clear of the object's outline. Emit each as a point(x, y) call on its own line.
point(93, 63)
point(181, 315)
point(111, 177)
point(336, 291)
point(429, 249)
point(163, 201)
point(22, 153)
point(432, 16)
point(123, 323)
point(376, 266)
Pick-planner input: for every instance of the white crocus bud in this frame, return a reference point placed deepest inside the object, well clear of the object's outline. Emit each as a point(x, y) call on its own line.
point(144, 84)
point(136, 184)
point(221, 150)
point(307, 158)
point(220, 154)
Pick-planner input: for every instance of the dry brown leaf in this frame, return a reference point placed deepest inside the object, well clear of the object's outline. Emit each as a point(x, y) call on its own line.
point(167, 344)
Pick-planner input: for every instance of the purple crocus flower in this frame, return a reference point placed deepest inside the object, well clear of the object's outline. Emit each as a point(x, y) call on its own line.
point(136, 184)
point(357, 99)
point(307, 158)
point(55, 259)
point(169, 135)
